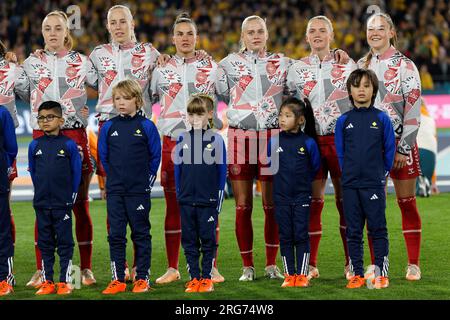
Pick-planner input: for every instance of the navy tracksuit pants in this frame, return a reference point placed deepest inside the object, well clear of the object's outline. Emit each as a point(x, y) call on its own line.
point(134, 210)
point(361, 205)
point(293, 222)
point(55, 232)
point(6, 241)
point(198, 233)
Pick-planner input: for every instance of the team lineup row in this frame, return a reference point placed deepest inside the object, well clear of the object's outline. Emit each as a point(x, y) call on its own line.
point(253, 83)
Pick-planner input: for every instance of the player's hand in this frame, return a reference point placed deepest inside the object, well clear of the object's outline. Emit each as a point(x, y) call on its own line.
point(201, 54)
point(84, 112)
point(103, 194)
point(162, 60)
point(341, 56)
point(80, 151)
point(39, 53)
point(11, 57)
point(399, 161)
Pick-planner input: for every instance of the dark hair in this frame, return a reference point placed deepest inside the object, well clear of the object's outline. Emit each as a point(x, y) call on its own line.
point(355, 79)
point(200, 104)
point(51, 105)
point(184, 17)
point(2, 49)
point(302, 108)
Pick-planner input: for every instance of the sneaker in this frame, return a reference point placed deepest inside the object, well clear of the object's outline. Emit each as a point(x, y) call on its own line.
point(133, 274)
point(141, 286)
point(47, 287)
point(192, 286)
point(36, 280)
point(87, 277)
point(171, 275)
point(248, 274)
point(348, 273)
point(216, 276)
point(370, 272)
point(5, 288)
point(114, 287)
point(313, 272)
point(413, 272)
point(64, 288)
point(289, 281)
point(127, 277)
point(356, 282)
point(302, 281)
point(380, 282)
point(272, 272)
point(206, 285)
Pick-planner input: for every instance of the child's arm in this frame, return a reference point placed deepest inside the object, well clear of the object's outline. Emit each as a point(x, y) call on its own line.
point(9, 132)
point(221, 170)
point(314, 156)
point(339, 139)
point(31, 165)
point(75, 167)
point(154, 149)
point(388, 143)
point(102, 145)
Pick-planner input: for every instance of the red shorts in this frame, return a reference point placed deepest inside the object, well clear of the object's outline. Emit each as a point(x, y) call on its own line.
point(247, 154)
point(167, 166)
point(13, 173)
point(329, 158)
point(100, 170)
point(412, 168)
point(79, 136)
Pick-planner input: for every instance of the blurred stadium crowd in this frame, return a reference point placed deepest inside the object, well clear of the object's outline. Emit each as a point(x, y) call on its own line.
point(422, 26)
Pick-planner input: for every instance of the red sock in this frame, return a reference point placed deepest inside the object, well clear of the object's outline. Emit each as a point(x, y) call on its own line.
point(271, 235)
point(172, 228)
point(372, 253)
point(244, 234)
point(13, 228)
point(83, 231)
point(217, 241)
point(342, 228)
point(412, 228)
point(315, 229)
point(36, 248)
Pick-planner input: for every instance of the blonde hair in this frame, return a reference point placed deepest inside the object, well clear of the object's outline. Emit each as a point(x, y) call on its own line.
point(68, 41)
point(127, 13)
point(199, 104)
point(393, 41)
point(244, 25)
point(130, 88)
point(323, 18)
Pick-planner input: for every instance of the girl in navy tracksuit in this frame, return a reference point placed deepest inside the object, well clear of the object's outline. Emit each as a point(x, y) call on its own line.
point(200, 176)
point(130, 151)
point(295, 160)
point(365, 144)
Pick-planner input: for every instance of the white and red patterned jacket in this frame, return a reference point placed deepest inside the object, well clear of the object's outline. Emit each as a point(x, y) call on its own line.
point(253, 86)
point(324, 84)
point(399, 94)
point(61, 77)
point(9, 72)
point(115, 63)
point(173, 85)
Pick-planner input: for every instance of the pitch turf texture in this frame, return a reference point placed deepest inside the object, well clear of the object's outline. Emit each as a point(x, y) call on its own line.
point(435, 283)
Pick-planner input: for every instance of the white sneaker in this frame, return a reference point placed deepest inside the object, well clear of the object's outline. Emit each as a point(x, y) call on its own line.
point(313, 272)
point(87, 277)
point(413, 272)
point(348, 273)
point(36, 280)
point(248, 274)
point(171, 275)
point(272, 272)
point(216, 276)
point(370, 272)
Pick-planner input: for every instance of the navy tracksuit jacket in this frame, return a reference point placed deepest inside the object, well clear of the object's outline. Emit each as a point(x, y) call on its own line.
point(130, 151)
point(8, 152)
point(200, 177)
point(365, 145)
point(295, 160)
point(55, 167)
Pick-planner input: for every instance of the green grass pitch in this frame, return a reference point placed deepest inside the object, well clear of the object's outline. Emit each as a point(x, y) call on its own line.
point(435, 258)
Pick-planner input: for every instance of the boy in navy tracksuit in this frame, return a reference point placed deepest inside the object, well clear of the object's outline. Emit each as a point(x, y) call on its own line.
point(55, 168)
point(130, 151)
point(295, 160)
point(365, 145)
point(8, 152)
point(200, 177)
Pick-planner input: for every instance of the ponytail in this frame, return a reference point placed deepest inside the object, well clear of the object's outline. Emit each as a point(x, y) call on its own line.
point(310, 122)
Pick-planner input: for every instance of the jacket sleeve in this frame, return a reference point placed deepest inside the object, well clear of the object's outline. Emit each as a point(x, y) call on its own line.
point(178, 164)
point(22, 83)
point(221, 170)
point(222, 83)
point(75, 167)
point(102, 145)
point(147, 92)
point(91, 74)
point(153, 87)
point(292, 81)
point(339, 140)
point(31, 164)
point(9, 132)
point(388, 143)
point(314, 156)
point(154, 149)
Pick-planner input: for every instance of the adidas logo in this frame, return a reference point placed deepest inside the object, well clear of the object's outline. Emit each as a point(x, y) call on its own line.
point(374, 197)
point(39, 152)
point(185, 146)
point(280, 149)
point(211, 219)
point(305, 205)
point(141, 207)
point(114, 134)
point(350, 126)
point(66, 217)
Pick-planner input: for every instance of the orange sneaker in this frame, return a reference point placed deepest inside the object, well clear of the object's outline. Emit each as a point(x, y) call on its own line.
point(380, 282)
point(64, 288)
point(5, 288)
point(206, 285)
point(115, 287)
point(301, 281)
point(356, 282)
point(192, 286)
point(47, 287)
point(141, 286)
point(289, 281)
